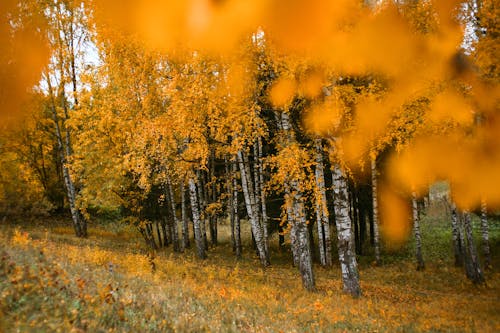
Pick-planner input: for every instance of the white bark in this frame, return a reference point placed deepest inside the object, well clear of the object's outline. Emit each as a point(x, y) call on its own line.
point(175, 228)
point(347, 255)
point(198, 236)
point(78, 223)
point(301, 247)
point(237, 229)
point(250, 204)
point(322, 220)
point(261, 192)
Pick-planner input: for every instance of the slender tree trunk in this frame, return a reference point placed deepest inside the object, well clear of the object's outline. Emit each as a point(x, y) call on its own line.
point(175, 221)
point(376, 235)
point(149, 241)
point(213, 198)
point(236, 217)
point(150, 234)
point(323, 223)
point(250, 204)
point(473, 269)
point(198, 236)
point(302, 239)
point(455, 232)
point(262, 193)
point(185, 226)
point(158, 233)
point(347, 255)
point(291, 225)
point(229, 193)
point(79, 225)
point(418, 238)
point(301, 246)
point(485, 235)
point(202, 204)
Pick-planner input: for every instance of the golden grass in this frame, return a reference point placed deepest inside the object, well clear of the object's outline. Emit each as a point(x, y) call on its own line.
point(107, 283)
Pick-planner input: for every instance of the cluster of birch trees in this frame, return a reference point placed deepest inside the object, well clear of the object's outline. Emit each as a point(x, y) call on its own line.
point(187, 141)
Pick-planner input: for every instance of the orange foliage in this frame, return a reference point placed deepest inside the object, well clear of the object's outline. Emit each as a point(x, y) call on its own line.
point(23, 53)
point(282, 92)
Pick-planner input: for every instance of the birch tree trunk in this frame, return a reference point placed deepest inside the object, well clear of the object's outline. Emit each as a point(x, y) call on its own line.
point(236, 217)
point(376, 235)
point(202, 206)
point(347, 256)
point(473, 269)
point(213, 198)
point(175, 225)
point(303, 247)
point(185, 226)
point(198, 236)
point(229, 193)
point(233, 209)
point(259, 176)
point(299, 235)
point(78, 224)
point(455, 232)
point(323, 223)
point(416, 228)
point(291, 225)
point(251, 206)
point(485, 235)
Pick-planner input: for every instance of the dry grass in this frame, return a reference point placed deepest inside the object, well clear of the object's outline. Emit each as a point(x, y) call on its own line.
point(51, 281)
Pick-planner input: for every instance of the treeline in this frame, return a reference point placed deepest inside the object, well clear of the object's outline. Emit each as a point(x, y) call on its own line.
point(287, 143)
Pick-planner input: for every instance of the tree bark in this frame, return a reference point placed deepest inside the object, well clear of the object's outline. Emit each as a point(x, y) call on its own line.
point(416, 228)
point(347, 256)
point(457, 237)
point(213, 198)
point(376, 235)
point(485, 235)
point(323, 223)
point(302, 238)
point(299, 235)
point(250, 204)
point(236, 217)
point(185, 226)
point(198, 236)
point(175, 221)
point(79, 224)
point(259, 175)
point(202, 205)
point(229, 205)
point(473, 269)
point(158, 233)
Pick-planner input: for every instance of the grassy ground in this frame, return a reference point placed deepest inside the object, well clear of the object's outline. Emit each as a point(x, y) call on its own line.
point(52, 282)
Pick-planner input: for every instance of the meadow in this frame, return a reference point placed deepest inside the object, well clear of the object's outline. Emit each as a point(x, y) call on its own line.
point(51, 281)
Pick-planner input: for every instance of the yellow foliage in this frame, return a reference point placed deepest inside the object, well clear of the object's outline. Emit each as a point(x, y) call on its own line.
point(20, 238)
point(451, 106)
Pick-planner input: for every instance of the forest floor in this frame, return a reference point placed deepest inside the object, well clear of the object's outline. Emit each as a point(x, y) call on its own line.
point(51, 281)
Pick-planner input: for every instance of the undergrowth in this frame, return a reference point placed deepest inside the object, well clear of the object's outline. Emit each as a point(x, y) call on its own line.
point(52, 282)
